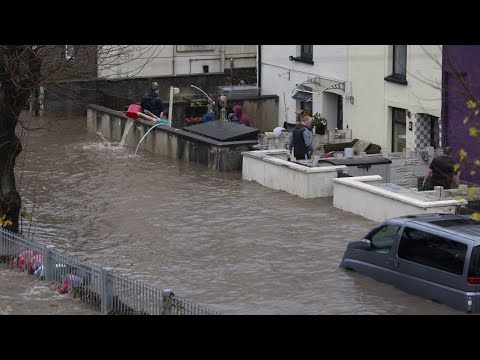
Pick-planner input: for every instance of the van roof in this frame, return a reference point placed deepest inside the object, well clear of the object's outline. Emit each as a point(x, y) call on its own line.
point(462, 225)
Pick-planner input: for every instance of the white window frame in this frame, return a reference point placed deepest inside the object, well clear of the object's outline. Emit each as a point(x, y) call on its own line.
point(69, 52)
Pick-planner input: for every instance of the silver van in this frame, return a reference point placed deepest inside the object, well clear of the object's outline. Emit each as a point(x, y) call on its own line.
point(435, 256)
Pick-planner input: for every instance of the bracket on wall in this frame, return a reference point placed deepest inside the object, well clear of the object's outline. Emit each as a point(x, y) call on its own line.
point(424, 154)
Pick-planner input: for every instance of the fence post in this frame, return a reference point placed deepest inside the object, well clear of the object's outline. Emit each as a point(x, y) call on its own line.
point(3, 248)
point(49, 264)
point(106, 295)
point(167, 301)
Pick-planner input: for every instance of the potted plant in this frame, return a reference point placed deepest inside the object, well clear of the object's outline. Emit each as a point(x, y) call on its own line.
point(320, 123)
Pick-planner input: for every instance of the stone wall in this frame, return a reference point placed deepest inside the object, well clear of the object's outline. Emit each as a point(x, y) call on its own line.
point(166, 140)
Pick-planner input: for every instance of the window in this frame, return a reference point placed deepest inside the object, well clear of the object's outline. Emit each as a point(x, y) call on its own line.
point(434, 132)
point(399, 129)
point(69, 52)
point(205, 69)
point(304, 54)
point(399, 65)
point(384, 237)
point(194, 48)
point(433, 251)
point(474, 269)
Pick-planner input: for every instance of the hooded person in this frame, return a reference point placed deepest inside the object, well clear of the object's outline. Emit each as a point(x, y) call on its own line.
point(152, 102)
point(242, 116)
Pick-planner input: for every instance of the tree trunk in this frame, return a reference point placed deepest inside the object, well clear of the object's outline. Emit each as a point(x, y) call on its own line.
point(10, 148)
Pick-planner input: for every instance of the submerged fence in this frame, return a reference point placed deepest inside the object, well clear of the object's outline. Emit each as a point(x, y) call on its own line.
point(102, 288)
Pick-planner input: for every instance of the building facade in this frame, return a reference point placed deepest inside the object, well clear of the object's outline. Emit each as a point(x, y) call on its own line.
point(163, 60)
point(308, 78)
point(395, 95)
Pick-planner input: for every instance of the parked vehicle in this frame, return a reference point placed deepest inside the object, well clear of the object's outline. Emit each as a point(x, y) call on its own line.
point(435, 256)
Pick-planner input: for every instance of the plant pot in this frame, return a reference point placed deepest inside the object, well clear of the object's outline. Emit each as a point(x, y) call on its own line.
point(320, 129)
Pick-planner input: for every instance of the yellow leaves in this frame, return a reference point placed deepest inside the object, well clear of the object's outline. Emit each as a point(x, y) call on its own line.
point(473, 131)
point(476, 112)
point(471, 104)
point(476, 216)
point(465, 120)
point(473, 172)
point(4, 222)
point(477, 162)
point(470, 192)
point(463, 154)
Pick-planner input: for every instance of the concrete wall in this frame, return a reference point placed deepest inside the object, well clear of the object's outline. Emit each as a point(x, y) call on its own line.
point(159, 60)
point(408, 166)
point(271, 169)
point(164, 140)
point(379, 204)
point(271, 141)
point(280, 76)
point(263, 110)
point(405, 169)
point(369, 116)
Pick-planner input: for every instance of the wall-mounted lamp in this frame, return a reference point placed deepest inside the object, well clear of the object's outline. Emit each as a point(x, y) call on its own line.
point(409, 114)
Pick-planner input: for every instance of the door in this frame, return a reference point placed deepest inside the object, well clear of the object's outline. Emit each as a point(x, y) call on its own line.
point(432, 265)
point(375, 260)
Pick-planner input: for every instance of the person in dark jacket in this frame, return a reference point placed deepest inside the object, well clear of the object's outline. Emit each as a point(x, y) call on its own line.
point(301, 139)
point(441, 171)
point(152, 102)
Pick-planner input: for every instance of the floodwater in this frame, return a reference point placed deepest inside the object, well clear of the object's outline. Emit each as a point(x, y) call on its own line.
point(21, 294)
point(213, 238)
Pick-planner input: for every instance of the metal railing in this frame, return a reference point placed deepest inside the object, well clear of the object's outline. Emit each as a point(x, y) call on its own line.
point(101, 288)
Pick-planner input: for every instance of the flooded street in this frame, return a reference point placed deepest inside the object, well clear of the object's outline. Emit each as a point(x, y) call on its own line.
point(21, 294)
point(213, 238)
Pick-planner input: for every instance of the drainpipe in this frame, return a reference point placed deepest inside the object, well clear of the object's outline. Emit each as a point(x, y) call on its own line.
point(259, 69)
point(222, 58)
point(173, 59)
point(170, 107)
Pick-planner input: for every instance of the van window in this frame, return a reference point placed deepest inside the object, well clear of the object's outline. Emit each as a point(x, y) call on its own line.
point(384, 237)
point(474, 269)
point(432, 250)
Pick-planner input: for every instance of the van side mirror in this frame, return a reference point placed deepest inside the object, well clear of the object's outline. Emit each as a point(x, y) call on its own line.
point(365, 244)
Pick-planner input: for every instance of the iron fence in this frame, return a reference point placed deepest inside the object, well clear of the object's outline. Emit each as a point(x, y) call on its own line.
point(101, 288)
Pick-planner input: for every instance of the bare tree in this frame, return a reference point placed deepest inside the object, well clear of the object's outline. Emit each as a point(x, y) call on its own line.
point(24, 69)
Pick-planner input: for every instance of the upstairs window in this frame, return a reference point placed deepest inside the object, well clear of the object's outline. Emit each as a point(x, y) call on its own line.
point(304, 54)
point(69, 52)
point(399, 65)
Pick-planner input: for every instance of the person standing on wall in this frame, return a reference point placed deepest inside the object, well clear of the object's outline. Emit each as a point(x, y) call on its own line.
point(151, 101)
point(441, 171)
point(301, 139)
